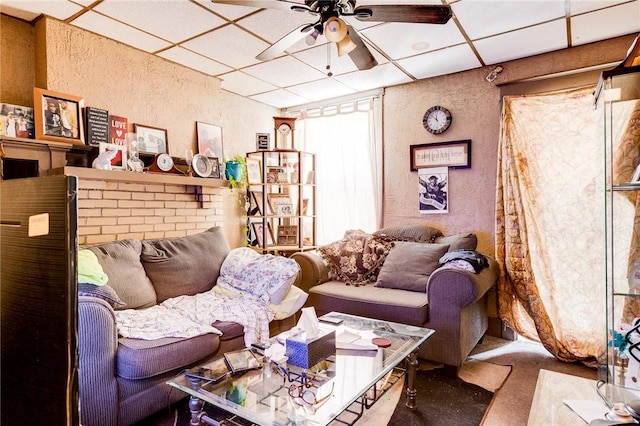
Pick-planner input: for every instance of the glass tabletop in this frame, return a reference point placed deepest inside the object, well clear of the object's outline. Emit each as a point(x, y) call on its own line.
point(282, 394)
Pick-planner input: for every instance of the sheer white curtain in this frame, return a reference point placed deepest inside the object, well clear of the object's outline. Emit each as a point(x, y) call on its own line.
point(347, 141)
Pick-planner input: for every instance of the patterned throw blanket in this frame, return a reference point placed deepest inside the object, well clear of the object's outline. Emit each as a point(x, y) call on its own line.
point(189, 316)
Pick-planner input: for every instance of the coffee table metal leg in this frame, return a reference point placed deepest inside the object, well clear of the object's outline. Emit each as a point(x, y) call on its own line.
point(196, 406)
point(412, 365)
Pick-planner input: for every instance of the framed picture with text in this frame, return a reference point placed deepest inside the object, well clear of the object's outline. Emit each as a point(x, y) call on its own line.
point(454, 155)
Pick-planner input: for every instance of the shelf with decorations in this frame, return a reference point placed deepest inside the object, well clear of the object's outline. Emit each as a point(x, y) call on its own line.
point(282, 201)
point(618, 101)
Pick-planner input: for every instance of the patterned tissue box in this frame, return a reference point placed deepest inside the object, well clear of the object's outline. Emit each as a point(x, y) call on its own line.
point(306, 353)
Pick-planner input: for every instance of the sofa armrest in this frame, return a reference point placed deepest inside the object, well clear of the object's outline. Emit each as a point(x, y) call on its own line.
point(458, 287)
point(314, 270)
point(97, 346)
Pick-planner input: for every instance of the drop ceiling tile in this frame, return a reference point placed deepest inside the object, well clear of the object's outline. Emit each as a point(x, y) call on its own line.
point(322, 89)
point(115, 30)
point(381, 76)
point(229, 45)
point(446, 61)
point(589, 27)
point(285, 71)
point(172, 20)
point(317, 58)
point(482, 18)
point(29, 10)
point(273, 24)
point(193, 60)
point(581, 6)
point(526, 42)
point(231, 12)
point(280, 98)
point(244, 84)
point(400, 40)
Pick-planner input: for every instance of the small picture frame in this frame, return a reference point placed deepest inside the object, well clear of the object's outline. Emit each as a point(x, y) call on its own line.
point(277, 174)
point(258, 228)
point(201, 165)
point(254, 177)
point(17, 121)
point(215, 167)
point(58, 116)
point(209, 140)
point(151, 140)
point(263, 141)
point(283, 208)
point(259, 201)
point(119, 160)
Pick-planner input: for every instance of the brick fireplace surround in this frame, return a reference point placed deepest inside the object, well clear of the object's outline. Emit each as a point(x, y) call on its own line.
point(114, 204)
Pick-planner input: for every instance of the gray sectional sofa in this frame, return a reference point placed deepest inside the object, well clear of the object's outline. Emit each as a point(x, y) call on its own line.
point(123, 380)
point(399, 278)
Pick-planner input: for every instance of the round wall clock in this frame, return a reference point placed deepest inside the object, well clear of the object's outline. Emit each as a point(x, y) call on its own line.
point(202, 165)
point(437, 119)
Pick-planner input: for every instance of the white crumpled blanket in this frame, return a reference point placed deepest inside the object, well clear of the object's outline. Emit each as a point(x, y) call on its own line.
point(189, 316)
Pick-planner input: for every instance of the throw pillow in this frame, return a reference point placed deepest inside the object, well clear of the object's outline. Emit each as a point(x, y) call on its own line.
point(357, 258)
point(463, 241)
point(409, 265)
point(120, 260)
point(103, 292)
point(265, 276)
point(184, 265)
point(418, 233)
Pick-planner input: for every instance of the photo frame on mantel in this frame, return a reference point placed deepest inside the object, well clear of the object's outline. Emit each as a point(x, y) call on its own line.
point(58, 116)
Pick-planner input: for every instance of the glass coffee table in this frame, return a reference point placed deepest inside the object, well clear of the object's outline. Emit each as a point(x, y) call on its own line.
point(339, 388)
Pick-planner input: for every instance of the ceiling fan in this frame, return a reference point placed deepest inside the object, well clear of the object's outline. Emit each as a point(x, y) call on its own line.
point(337, 30)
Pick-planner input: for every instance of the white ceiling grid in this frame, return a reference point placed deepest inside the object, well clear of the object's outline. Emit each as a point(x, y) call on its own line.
point(223, 40)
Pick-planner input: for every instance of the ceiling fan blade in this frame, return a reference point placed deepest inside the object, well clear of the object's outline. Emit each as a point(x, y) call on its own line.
point(285, 42)
point(361, 55)
point(419, 14)
point(261, 4)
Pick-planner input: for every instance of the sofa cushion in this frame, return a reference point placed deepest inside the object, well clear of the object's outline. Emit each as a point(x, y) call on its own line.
point(406, 307)
point(185, 265)
point(265, 276)
point(419, 233)
point(230, 330)
point(89, 269)
point(120, 260)
point(356, 259)
point(140, 359)
point(408, 266)
point(463, 241)
point(104, 292)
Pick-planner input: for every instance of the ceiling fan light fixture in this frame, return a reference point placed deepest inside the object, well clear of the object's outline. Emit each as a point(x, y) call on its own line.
point(335, 29)
point(310, 40)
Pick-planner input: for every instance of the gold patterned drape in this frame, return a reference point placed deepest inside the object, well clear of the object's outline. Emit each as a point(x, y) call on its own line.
point(550, 222)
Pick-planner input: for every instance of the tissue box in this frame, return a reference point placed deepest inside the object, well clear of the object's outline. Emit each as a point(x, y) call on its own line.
point(306, 353)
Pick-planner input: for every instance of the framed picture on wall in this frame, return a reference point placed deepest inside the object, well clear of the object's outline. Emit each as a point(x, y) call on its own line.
point(58, 116)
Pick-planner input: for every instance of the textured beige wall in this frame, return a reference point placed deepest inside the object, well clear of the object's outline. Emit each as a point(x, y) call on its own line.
point(476, 109)
point(17, 68)
point(152, 91)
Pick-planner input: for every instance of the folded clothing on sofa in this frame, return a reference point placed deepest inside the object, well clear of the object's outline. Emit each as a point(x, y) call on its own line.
point(471, 257)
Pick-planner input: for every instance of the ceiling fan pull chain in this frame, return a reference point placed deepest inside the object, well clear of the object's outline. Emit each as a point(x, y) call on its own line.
point(329, 73)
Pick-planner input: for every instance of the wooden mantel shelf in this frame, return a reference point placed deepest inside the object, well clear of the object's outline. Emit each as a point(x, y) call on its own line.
point(132, 177)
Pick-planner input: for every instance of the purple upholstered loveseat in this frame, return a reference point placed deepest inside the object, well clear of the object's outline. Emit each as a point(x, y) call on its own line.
point(406, 285)
point(123, 380)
